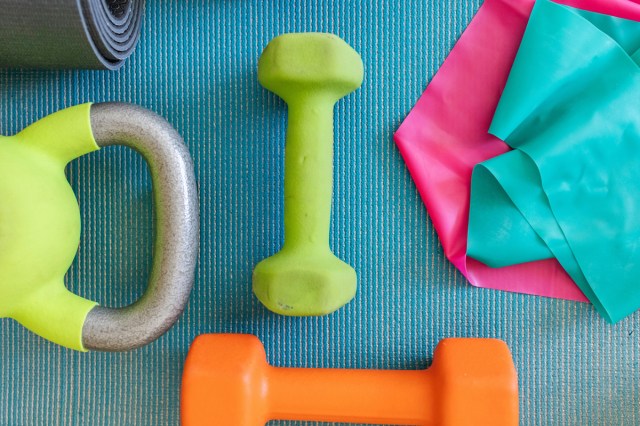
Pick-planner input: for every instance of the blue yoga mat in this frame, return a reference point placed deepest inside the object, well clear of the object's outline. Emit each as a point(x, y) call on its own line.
point(196, 66)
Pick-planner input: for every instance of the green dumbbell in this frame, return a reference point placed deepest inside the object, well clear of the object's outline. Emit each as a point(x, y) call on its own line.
point(311, 72)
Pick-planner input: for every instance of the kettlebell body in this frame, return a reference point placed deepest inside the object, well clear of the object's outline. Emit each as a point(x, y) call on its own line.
point(40, 225)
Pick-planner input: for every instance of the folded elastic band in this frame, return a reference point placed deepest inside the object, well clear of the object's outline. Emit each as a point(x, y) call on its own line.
point(570, 189)
point(446, 135)
point(88, 34)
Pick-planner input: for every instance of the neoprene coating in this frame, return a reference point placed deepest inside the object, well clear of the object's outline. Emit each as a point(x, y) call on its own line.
point(227, 378)
point(570, 189)
point(311, 72)
point(93, 34)
point(40, 225)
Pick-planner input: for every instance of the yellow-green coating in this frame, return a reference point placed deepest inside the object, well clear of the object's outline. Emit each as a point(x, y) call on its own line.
point(311, 72)
point(40, 225)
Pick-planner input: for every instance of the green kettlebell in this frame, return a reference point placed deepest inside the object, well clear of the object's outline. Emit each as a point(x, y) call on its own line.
point(40, 227)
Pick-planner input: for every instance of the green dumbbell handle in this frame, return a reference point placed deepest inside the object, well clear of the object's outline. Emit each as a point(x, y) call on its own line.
point(308, 182)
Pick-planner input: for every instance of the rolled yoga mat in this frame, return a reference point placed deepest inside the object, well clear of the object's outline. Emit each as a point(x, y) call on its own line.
point(89, 34)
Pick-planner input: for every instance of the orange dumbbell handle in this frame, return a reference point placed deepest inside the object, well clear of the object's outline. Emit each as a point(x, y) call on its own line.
point(350, 396)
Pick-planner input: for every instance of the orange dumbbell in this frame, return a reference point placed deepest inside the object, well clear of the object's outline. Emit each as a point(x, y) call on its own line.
point(227, 382)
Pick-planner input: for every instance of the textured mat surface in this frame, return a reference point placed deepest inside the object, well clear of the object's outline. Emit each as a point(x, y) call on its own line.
point(196, 65)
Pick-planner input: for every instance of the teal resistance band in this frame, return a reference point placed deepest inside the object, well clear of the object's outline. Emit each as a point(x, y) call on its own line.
point(570, 189)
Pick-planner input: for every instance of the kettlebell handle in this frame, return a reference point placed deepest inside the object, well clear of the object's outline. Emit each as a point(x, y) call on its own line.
point(176, 239)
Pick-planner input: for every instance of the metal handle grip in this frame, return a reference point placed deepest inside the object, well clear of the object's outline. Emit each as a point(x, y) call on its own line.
point(176, 229)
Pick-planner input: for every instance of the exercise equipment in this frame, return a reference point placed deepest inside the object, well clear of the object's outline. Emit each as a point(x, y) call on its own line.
point(570, 188)
point(227, 382)
point(311, 72)
point(93, 34)
point(40, 227)
point(446, 135)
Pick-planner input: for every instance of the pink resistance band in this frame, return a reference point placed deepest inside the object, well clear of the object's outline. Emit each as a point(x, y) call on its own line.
point(446, 134)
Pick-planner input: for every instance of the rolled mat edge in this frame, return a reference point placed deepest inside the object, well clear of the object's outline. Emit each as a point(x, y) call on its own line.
point(65, 34)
